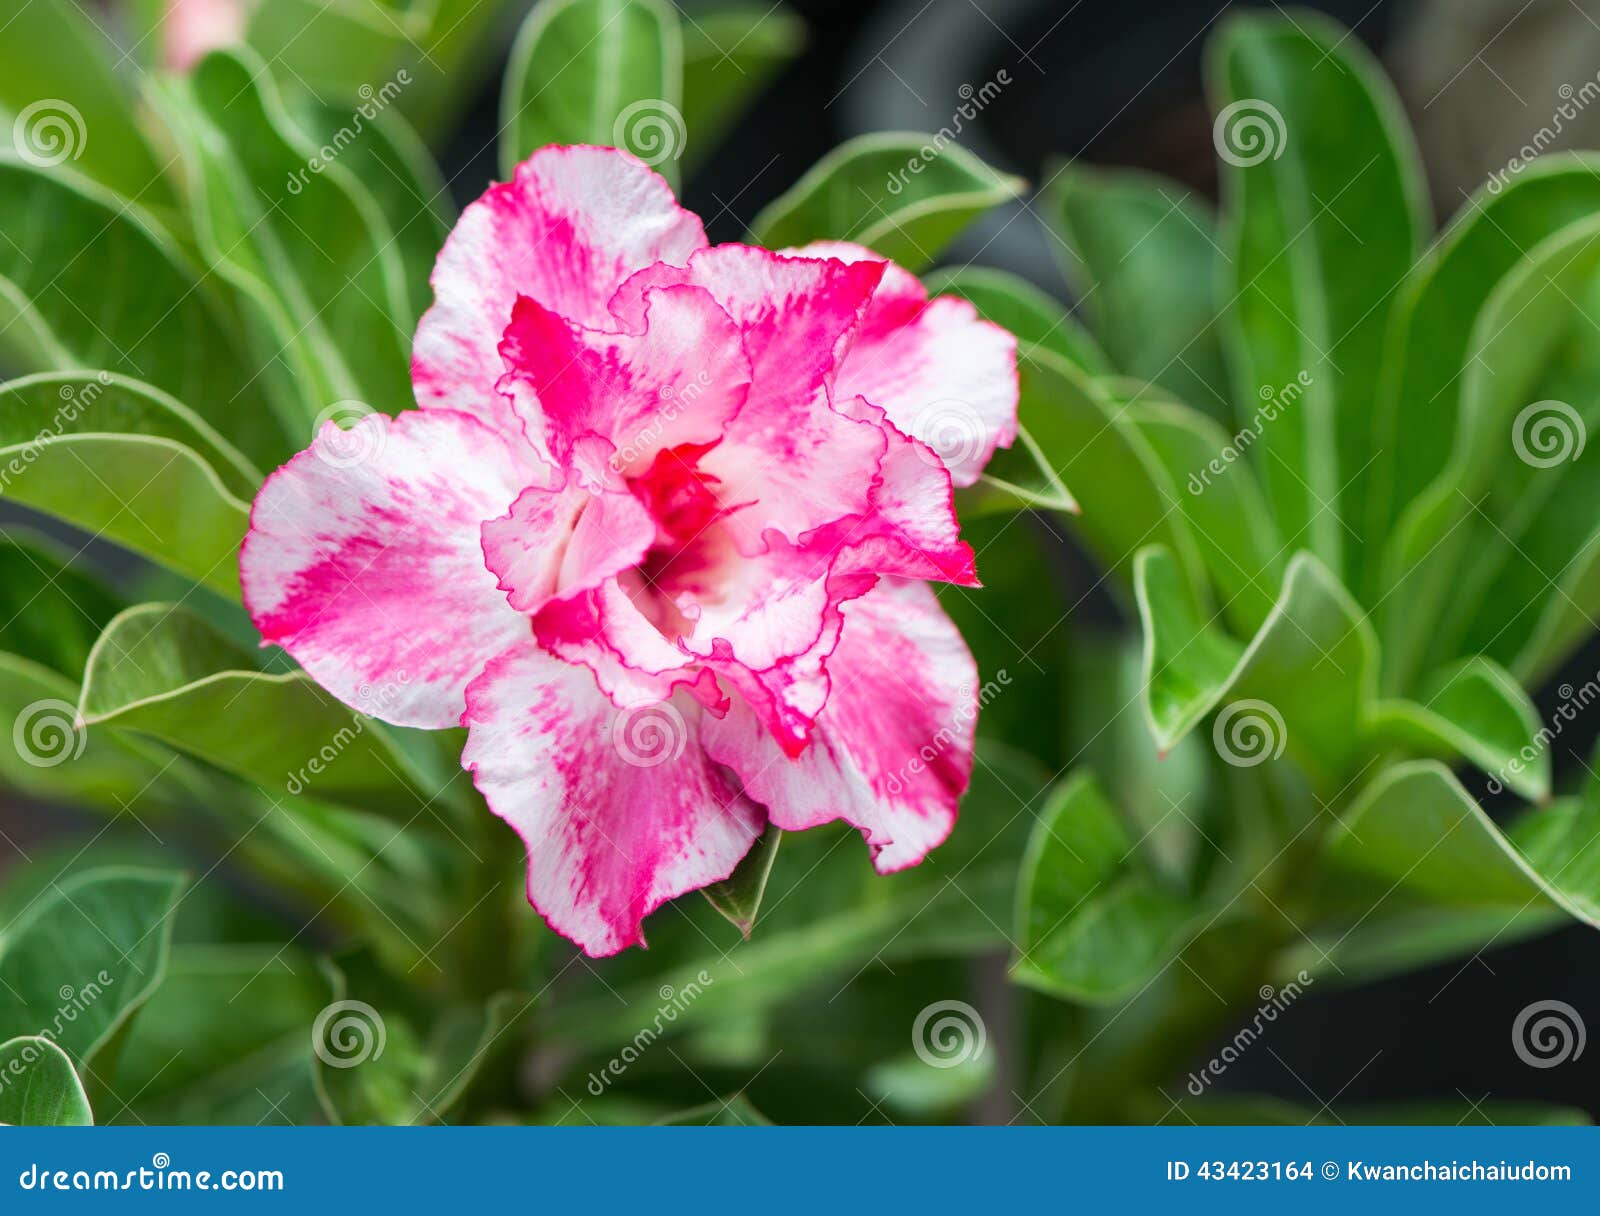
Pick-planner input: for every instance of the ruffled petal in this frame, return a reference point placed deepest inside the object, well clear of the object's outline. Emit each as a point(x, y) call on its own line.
point(799, 463)
point(941, 373)
point(892, 751)
point(557, 542)
point(677, 381)
point(620, 810)
point(363, 561)
point(910, 529)
point(571, 225)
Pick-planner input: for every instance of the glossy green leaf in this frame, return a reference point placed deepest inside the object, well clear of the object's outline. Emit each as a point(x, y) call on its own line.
point(38, 1086)
point(328, 248)
point(1142, 257)
point(1306, 682)
point(51, 607)
point(162, 671)
point(333, 47)
point(604, 72)
point(1420, 839)
point(1093, 922)
point(730, 53)
point(113, 291)
point(1222, 502)
point(78, 962)
point(739, 897)
point(732, 1111)
point(895, 192)
point(125, 462)
point(1475, 710)
point(64, 103)
point(1323, 220)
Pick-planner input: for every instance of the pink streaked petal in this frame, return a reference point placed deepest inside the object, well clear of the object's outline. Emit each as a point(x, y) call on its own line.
point(678, 381)
point(800, 462)
point(571, 225)
point(557, 542)
point(910, 530)
point(369, 571)
point(943, 375)
point(892, 751)
point(620, 810)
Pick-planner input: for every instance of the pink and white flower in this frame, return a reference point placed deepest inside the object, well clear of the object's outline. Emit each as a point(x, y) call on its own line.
point(659, 537)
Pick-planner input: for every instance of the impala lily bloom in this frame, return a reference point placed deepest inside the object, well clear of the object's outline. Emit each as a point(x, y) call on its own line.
point(659, 537)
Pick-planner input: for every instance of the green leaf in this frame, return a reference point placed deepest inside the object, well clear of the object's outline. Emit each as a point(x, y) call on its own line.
point(127, 463)
point(1142, 258)
point(226, 1039)
point(1093, 922)
point(80, 960)
point(738, 898)
point(1223, 505)
point(595, 72)
point(329, 250)
point(112, 291)
point(1475, 710)
point(38, 1087)
point(162, 671)
point(1325, 211)
point(895, 192)
point(1419, 838)
point(730, 52)
point(389, 160)
point(50, 608)
point(332, 46)
point(372, 1066)
point(1091, 446)
point(1037, 320)
point(58, 82)
point(1437, 313)
point(1305, 682)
